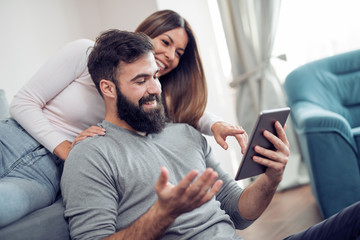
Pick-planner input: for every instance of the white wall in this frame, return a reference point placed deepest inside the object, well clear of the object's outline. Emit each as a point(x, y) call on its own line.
point(32, 31)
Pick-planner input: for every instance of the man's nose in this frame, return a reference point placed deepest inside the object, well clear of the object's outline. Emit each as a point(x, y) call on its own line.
point(154, 86)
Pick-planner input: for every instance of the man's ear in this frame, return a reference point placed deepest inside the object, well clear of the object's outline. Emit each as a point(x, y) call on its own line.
point(108, 88)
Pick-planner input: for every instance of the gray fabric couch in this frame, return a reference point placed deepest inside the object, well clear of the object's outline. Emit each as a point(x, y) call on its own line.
point(44, 224)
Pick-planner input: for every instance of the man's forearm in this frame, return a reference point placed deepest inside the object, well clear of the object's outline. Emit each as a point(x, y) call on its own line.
point(151, 225)
point(256, 198)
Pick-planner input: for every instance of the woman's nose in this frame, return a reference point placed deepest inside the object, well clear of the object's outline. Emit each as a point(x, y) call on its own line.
point(170, 54)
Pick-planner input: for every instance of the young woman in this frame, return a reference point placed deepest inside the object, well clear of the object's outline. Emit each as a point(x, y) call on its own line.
point(60, 105)
point(182, 76)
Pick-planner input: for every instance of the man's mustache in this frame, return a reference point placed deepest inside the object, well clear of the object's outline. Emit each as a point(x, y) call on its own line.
point(150, 98)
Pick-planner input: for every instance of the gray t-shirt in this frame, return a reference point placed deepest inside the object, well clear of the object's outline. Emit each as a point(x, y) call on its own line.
point(108, 183)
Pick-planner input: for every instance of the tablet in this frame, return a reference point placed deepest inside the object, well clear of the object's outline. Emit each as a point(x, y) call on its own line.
point(266, 120)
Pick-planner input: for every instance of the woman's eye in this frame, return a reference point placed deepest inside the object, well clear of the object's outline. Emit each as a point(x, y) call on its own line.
point(179, 54)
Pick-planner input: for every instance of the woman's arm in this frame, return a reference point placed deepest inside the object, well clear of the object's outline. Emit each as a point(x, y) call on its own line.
point(213, 125)
point(205, 123)
point(51, 79)
point(63, 149)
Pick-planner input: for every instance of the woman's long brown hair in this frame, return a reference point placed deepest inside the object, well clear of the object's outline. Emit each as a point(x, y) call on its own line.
point(184, 88)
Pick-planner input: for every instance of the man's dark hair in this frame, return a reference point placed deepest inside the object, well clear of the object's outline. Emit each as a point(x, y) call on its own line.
point(111, 48)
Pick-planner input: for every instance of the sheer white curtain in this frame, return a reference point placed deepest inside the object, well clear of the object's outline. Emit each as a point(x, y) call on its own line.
point(250, 28)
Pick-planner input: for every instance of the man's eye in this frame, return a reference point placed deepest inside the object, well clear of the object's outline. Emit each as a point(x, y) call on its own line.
point(140, 82)
point(165, 42)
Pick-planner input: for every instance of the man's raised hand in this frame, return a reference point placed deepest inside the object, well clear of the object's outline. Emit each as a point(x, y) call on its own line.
point(190, 193)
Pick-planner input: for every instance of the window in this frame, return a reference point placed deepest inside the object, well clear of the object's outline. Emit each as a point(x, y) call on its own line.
point(310, 30)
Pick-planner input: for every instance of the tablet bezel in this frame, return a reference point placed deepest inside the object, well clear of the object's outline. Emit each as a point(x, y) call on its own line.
point(265, 121)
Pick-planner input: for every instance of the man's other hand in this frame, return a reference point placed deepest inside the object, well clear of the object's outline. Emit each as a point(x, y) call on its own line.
point(188, 194)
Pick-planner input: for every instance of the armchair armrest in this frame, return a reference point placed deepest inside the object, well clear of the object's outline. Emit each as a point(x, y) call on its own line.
point(309, 117)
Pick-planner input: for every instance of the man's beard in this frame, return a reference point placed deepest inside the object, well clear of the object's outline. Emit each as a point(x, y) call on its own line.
point(152, 121)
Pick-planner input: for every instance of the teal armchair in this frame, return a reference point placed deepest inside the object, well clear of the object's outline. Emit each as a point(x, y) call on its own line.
point(324, 97)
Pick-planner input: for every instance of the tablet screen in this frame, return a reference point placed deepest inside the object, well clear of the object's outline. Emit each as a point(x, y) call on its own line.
point(266, 120)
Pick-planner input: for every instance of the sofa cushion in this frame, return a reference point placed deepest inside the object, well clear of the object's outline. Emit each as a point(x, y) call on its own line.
point(43, 224)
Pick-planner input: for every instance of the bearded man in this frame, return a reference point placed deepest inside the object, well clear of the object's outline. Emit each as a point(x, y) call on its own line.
point(108, 181)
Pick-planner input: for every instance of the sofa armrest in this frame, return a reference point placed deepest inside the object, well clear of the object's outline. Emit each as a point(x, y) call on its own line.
point(309, 117)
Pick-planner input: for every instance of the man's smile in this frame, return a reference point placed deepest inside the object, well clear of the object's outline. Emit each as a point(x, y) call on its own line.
point(149, 102)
